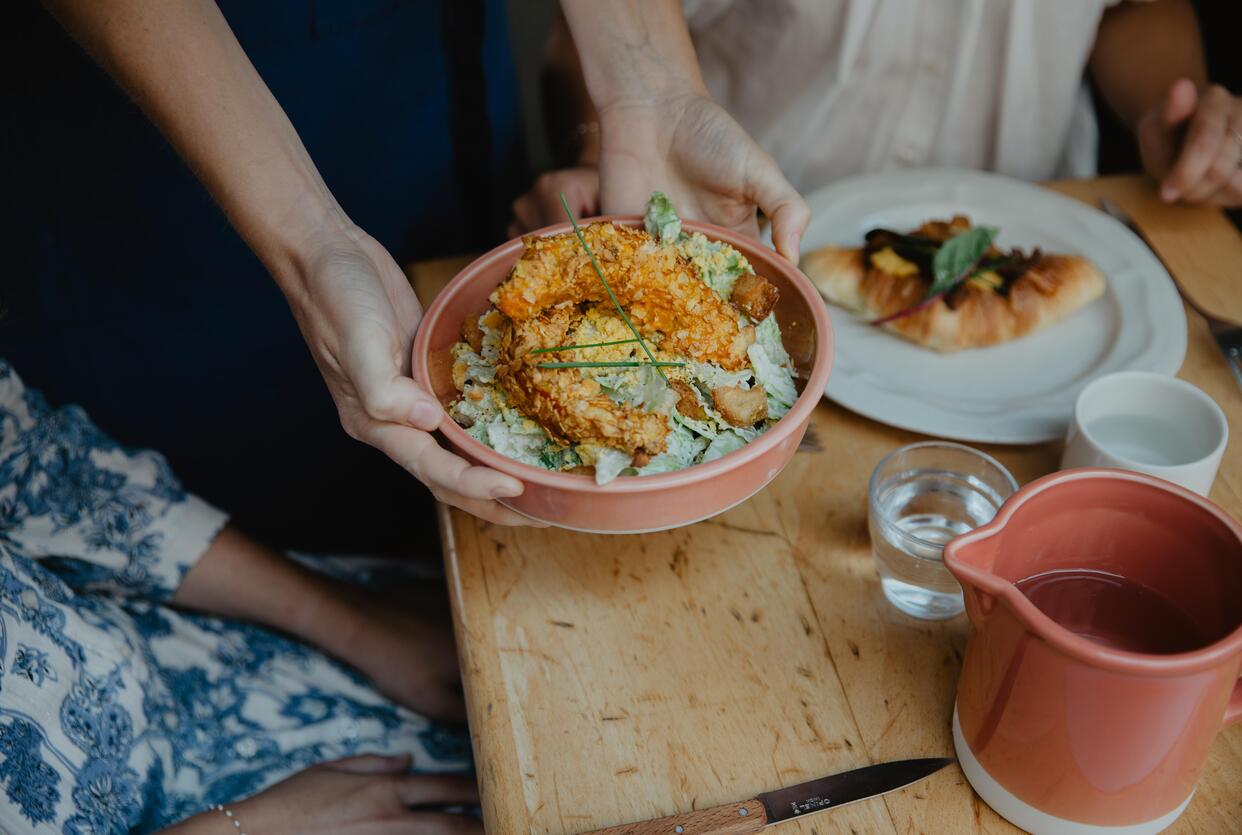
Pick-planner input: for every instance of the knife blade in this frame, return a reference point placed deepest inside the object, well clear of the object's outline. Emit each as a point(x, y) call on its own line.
point(773, 807)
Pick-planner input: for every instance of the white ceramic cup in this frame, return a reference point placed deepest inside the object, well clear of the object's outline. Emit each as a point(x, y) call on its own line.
point(1149, 423)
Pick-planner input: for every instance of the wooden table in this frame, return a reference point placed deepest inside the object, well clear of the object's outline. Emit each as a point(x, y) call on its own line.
point(613, 679)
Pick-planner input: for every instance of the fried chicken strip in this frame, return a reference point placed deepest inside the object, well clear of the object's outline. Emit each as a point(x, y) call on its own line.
point(659, 288)
point(568, 404)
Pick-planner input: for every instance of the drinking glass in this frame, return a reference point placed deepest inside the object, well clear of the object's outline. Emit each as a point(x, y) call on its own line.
point(920, 497)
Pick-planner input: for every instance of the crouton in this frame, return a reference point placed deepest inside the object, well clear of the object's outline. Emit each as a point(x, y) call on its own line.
point(472, 333)
point(755, 296)
point(688, 404)
point(741, 407)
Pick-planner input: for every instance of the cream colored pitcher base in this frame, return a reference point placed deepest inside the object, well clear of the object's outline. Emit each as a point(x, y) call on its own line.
point(1022, 814)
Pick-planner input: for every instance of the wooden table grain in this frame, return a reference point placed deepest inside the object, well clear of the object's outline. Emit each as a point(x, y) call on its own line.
point(614, 679)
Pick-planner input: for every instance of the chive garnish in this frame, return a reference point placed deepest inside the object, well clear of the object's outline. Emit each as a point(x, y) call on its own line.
point(611, 295)
point(588, 345)
point(623, 364)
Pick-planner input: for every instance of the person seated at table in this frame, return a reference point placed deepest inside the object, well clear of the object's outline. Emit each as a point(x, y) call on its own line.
point(842, 87)
point(155, 661)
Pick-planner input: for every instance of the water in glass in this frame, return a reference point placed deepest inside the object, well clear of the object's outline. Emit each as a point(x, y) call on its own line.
point(914, 513)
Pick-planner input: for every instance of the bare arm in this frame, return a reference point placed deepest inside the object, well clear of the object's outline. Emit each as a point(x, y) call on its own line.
point(661, 130)
point(182, 65)
point(240, 579)
point(1140, 50)
point(1148, 64)
point(185, 69)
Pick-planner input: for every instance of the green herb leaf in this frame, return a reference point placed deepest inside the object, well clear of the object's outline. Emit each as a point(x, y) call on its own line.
point(608, 287)
point(588, 345)
point(958, 257)
point(661, 219)
point(620, 364)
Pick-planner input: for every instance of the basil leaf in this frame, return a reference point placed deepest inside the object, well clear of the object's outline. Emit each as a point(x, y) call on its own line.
point(958, 257)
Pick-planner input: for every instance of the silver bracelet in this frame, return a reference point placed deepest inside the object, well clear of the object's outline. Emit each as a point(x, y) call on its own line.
point(228, 813)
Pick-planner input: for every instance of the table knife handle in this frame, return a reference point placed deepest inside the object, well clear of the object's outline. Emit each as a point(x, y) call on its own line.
point(730, 819)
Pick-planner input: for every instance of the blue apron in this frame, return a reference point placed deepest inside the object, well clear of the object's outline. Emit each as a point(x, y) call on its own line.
point(124, 289)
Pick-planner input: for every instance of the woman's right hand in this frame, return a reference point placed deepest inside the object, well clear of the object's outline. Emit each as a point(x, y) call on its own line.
point(541, 206)
point(367, 795)
point(358, 314)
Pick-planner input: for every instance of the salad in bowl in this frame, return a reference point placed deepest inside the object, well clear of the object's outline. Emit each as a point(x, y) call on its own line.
point(634, 373)
point(613, 351)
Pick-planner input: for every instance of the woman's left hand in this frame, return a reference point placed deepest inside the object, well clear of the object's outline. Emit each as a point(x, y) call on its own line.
point(404, 643)
point(1191, 142)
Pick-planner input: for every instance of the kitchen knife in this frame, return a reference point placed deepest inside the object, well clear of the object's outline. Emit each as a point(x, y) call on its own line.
point(793, 802)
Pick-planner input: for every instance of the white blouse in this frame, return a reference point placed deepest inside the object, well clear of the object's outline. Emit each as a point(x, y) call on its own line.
point(834, 88)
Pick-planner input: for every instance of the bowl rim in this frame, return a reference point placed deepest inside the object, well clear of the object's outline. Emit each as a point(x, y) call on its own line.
point(796, 417)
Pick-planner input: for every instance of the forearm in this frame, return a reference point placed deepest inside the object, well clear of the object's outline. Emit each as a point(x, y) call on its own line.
point(633, 51)
point(183, 66)
point(240, 579)
point(1140, 50)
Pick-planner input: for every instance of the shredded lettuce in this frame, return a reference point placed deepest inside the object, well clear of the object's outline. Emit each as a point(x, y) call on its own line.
point(653, 393)
point(661, 219)
point(513, 440)
point(556, 457)
point(773, 368)
point(682, 451)
point(768, 334)
point(723, 444)
point(705, 428)
point(719, 264)
point(609, 463)
point(713, 376)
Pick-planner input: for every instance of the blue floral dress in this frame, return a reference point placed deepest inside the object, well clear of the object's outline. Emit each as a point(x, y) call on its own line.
point(118, 713)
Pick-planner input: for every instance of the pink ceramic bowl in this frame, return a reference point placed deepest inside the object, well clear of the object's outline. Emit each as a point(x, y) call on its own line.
point(636, 503)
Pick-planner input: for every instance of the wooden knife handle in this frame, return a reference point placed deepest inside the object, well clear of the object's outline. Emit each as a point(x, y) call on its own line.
point(730, 819)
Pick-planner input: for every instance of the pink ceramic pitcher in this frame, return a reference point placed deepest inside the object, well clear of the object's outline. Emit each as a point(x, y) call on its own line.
point(1059, 733)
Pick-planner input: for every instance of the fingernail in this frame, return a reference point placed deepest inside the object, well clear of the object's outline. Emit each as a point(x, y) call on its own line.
point(1168, 194)
point(426, 415)
point(506, 491)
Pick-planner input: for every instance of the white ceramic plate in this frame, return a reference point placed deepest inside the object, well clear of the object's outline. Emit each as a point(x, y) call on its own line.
point(1018, 392)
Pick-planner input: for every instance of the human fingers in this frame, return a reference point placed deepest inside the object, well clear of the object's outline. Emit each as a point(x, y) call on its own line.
point(1229, 196)
point(417, 790)
point(422, 823)
point(1180, 103)
point(780, 201)
point(435, 466)
point(432, 823)
point(1218, 179)
point(370, 764)
point(1158, 131)
point(526, 214)
point(487, 509)
point(580, 186)
point(372, 366)
point(1204, 137)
